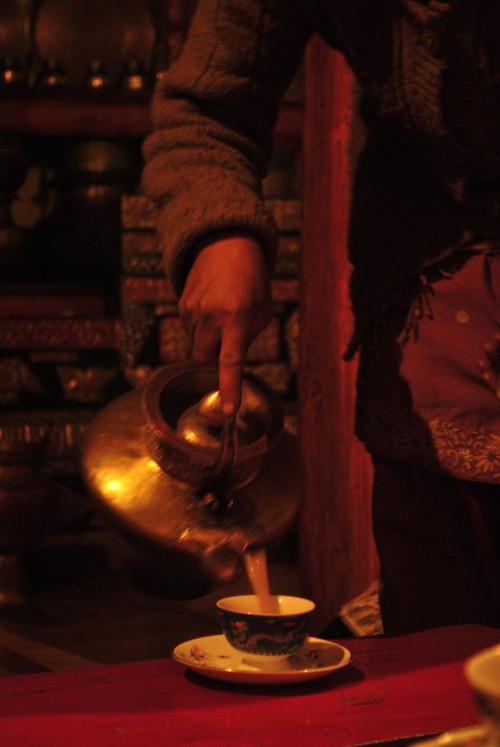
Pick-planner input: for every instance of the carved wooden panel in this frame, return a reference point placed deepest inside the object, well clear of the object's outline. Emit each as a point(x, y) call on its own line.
point(337, 555)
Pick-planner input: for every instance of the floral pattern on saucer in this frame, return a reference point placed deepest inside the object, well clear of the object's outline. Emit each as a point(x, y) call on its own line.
point(202, 657)
point(315, 657)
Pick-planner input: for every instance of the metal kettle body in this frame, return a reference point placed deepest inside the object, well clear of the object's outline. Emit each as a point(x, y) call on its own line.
point(147, 460)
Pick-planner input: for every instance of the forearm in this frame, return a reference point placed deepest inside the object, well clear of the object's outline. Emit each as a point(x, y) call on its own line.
point(214, 114)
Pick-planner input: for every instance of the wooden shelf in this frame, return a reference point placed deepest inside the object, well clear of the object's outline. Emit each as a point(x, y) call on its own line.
point(117, 114)
point(76, 114)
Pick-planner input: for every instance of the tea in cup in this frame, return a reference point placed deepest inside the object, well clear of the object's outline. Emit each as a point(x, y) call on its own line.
point(265, 638)
point(483, 675)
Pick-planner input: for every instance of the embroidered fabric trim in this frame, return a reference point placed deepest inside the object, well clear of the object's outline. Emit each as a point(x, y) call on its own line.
point(438, 445)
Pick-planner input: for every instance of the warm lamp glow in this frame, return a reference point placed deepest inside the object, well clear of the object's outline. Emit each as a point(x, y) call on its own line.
point(114, 486)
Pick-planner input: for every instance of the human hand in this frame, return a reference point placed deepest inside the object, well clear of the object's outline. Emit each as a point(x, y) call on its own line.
point(226, 302)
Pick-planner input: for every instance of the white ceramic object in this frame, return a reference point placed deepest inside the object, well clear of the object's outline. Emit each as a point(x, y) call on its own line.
point(470, 736)
point(483, 675)
point(213, 657)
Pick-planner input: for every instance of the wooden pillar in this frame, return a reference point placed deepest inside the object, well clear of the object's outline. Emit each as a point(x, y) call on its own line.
point(338, 560)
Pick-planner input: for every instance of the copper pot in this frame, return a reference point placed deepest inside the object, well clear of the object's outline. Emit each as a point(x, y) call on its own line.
point(148, 478)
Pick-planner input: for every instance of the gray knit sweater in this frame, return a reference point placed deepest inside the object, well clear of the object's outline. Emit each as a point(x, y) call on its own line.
point(428, 174)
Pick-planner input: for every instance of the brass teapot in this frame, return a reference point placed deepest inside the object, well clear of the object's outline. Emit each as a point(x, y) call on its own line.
point(188, 491)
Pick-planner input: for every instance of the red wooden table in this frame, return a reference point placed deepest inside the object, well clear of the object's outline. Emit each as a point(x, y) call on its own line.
point(393, 688)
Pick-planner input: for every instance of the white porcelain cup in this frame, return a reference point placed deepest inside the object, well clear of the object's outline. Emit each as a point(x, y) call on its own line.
point(483, 675)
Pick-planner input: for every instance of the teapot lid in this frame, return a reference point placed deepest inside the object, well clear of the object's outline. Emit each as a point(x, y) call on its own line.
point(181, 406)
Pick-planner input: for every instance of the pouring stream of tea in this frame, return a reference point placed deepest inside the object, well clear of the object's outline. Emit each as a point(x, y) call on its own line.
point(255, 561)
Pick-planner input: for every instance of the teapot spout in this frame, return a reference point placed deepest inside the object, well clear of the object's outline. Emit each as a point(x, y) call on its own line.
point(225, 560)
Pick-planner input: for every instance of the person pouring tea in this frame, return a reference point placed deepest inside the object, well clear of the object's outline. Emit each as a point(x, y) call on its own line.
point(424, 245)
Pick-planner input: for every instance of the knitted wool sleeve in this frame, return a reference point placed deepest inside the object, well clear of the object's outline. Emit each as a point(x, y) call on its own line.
point(213, 116)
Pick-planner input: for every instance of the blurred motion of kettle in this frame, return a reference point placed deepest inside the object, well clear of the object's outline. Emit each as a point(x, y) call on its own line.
point(150, 458)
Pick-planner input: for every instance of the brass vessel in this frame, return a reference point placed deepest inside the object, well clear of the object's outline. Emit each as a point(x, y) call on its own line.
point(149, 459)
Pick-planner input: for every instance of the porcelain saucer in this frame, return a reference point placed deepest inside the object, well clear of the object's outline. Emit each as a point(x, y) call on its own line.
point(212, 656)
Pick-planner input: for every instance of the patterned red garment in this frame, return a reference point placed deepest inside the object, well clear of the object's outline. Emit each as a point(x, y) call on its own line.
point(422, 397)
